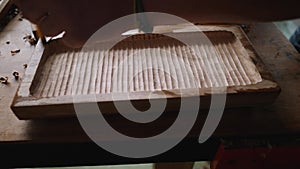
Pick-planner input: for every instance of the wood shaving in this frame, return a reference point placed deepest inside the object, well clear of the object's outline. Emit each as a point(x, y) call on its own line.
point(30, 39)
point(4, 80)
point(14, 52)
point(16, 75)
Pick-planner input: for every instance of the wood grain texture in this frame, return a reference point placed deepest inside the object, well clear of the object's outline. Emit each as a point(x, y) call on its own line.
point(142, 66)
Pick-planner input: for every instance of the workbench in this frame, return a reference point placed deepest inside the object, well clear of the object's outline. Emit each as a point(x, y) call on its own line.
point(62, 142)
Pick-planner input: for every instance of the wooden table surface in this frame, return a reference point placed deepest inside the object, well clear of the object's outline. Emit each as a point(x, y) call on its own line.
point(56, 142)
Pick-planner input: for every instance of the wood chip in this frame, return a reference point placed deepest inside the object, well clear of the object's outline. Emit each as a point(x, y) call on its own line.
point(14, 52)
point(30, 39)
point(16, 75)
point(4, 80)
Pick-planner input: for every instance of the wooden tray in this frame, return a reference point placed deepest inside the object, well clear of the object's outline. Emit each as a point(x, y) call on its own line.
point(144, 67)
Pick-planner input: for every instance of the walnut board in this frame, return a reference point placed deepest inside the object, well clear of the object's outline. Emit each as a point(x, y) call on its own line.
point(144, 67)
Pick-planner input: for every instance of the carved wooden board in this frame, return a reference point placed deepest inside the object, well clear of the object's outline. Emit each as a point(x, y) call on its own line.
point(144, 67)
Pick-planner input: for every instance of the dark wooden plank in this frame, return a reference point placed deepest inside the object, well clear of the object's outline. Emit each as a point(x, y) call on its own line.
point(283, 117)
point(185, 165)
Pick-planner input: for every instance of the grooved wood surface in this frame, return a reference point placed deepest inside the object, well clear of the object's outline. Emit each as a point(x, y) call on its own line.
point(148, 63)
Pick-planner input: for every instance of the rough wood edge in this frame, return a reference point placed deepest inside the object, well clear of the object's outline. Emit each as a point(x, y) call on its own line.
point(31, 71)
